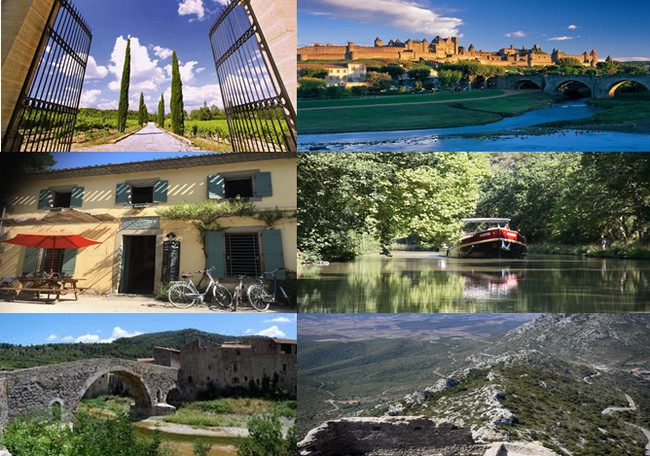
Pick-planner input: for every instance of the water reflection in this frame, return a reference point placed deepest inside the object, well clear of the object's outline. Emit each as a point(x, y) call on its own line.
point(424, 282)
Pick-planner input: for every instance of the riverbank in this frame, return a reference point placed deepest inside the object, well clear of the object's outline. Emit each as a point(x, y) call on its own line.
point(411, 113)
point(627, 252)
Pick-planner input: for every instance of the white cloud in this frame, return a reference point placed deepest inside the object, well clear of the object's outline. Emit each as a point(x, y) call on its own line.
point(145, 72)
point(280, 320)
point(67, 339)
point(199, 70)
point(631, 59)
point(194, 96)
point(560, 38)
point(93, 71)
point(572, 27)
point(52, 337)
point(187, 71)
point(89, 97)
point(189, 7)
point(517, 34)
point(88, 339)
point(119, 333)
point(272, 331)
point(108, 104)
point(162, 52)
point(248, 331)
point(405, 14)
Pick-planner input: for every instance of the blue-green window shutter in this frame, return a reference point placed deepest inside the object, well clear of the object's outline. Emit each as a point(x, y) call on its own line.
point(263, 184)
point(31, 259)
point(77, 197)
point(214, 248)
point(45, 199)
point(160, 191)
point(215, 186)
point(273, 255)
point(122, 193)
point(69, 261)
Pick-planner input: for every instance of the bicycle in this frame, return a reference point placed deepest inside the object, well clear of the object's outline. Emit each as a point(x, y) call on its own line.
point(238, 295)
point(184, 294)
point(262, 299)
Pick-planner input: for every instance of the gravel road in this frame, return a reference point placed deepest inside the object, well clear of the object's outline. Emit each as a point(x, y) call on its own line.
point(149, 139)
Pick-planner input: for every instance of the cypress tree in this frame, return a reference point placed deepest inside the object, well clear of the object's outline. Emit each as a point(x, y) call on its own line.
point(124, 89)
point(176, 103)
point(161, 112)
point(143, 114)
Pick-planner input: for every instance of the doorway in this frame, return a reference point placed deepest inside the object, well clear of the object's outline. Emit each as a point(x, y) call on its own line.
point(138, 264)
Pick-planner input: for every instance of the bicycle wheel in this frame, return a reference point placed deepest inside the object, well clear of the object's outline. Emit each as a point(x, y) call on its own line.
point(258, 297)
point(178, 296)
point(221, 296)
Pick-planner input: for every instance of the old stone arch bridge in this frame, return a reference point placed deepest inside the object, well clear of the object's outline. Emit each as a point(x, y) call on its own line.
point(601, 86)
point(38, 389)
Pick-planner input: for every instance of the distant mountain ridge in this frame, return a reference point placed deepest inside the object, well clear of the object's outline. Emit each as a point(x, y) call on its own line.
point(20, 357)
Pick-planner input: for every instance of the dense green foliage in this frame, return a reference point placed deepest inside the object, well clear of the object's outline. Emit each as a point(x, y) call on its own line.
point(89, 436)
point(176, 103)
point(143, 114)
point(313, 72)
point(19, 357)
point(206, 113)
point(160, 119)
point(124, 89)
point(104, 120)
point(573, 197)
point(266, 438)
point(341, 195)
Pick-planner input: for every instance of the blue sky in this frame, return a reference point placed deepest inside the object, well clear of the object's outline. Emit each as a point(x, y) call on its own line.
point(156, 28)
point(616, 29)
point(35, 329)
point(78, 159)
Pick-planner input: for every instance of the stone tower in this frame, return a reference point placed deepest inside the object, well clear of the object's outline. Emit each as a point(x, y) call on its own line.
point(594, 57)
point(378, 42)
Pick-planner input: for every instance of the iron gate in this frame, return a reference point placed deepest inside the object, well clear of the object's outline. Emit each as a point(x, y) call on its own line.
point(258, 110)
point(46, 112)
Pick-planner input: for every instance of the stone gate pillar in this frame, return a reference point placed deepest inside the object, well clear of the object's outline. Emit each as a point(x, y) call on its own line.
point(23, 22)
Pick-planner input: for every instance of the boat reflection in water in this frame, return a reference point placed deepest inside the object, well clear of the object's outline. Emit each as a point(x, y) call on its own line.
point(485, 285)
point(493, 242)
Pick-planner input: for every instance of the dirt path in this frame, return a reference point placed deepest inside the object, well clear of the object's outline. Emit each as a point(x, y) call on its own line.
point(507, 93)
point(631, 407)
point(149, 139)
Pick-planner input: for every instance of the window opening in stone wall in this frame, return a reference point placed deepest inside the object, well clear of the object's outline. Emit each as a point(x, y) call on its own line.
point(242, 254)
point(62, 199)
point(50, 260)
point(242, 187)
point(285, 348)
point(141, 195)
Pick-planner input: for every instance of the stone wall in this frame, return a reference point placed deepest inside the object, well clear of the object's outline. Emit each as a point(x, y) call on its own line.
point(36, 389)
point(213, 369)
point(365, 435)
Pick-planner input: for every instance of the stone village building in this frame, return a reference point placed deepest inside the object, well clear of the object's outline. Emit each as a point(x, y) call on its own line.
point(116, 204)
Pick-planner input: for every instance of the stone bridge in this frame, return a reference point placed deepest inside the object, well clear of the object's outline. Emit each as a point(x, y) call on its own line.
point(602, 86)
point(154, 388)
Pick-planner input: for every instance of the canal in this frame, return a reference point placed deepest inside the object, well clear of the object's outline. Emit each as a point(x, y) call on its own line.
point(446, 138)
point(427, 282)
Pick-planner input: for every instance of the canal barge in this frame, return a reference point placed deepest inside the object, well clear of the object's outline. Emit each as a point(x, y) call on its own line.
point(495, 242)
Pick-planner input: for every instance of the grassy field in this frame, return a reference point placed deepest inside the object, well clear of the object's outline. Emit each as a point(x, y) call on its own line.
point(390, 99)
point(626, 113)
point(420, 116)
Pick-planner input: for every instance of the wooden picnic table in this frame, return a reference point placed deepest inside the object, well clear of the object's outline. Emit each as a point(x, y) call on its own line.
point(47, 285)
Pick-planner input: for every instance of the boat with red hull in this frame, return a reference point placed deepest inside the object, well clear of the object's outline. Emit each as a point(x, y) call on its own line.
point(495, 242)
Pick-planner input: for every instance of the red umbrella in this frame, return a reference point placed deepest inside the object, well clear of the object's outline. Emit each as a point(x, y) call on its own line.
point(51, 240)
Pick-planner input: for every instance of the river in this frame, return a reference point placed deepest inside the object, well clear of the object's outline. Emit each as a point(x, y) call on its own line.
point(427, 282)
point(443, 139)
point(182, 444)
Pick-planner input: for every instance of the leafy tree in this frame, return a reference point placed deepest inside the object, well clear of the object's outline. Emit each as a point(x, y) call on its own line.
point(266, 438)
point(568, 61)
point(161, 111)
point(335, 92)
point(311, 87)
point(395, 71)
point(419, 74)
point(143, 114)
point(449, 78)
point(124, 89)
point(312, 72)
point(378, 81)
point(176, 103)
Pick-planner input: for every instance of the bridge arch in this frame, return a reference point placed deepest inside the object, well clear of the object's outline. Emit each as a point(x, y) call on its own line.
point(139, 391)
point(574, 88)
point(526, 84)
point(611, 90)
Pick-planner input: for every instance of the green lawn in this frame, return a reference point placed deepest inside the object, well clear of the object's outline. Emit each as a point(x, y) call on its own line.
point(420, 116)
point(390, 99)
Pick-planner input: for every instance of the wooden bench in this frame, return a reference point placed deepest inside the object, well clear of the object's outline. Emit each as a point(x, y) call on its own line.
point(15, 291)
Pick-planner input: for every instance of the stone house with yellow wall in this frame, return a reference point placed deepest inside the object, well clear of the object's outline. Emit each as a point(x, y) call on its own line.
point(116, 204)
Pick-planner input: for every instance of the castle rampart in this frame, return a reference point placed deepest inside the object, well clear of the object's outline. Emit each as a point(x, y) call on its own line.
point(441, 50)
